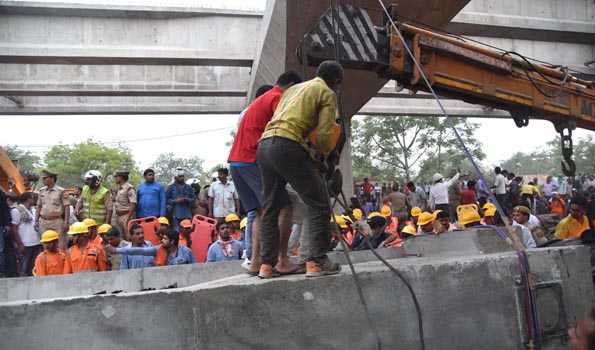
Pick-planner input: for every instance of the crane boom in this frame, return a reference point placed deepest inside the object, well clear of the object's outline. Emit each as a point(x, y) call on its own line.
point(456, 68)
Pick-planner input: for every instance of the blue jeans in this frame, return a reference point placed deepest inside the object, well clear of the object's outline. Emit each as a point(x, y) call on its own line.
point(248, 233)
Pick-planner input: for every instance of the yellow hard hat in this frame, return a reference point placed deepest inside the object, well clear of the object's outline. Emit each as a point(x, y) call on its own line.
point(78, 228)
point(385, 211)
point(90, 222)
point(347, 219)
point(49, 235)
point(425, 218)
point(489, 209)
point(415, 211)
point(340, 221)
point(374, 214)
point(357, 214)
point(243, 223)
point(467, 214)
point(232, 217)
point(163, 221)
point(104, 228)
point(410, 230)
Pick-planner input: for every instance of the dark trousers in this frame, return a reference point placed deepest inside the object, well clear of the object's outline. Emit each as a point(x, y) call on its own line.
point(10, 256)
point(28, 260)
point(283, 161)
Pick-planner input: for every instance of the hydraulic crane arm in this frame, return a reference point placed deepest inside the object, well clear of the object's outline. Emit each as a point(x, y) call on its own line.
point(456, 68)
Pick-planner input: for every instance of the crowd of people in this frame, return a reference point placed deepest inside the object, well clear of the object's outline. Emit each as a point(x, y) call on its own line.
point(454, 203)
point(54, 231)
point(276, 206)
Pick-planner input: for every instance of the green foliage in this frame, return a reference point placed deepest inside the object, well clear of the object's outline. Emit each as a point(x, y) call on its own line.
point(166, 164)
point(26, 161)
point(72, 161)
point(547, 159)
point(404, 148)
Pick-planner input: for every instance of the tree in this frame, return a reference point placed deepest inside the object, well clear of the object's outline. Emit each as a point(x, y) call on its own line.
point(547, 160)
point(405, 147)
point(166, 164)
point(72, 161)
point(26, 161)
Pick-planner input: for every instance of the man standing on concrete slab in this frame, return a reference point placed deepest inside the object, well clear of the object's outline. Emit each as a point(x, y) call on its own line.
point(124, 197)
point(246, 175)
point(53, 208)
point(285, 156)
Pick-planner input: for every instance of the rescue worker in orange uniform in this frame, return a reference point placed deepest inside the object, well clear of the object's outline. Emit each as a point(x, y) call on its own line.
point(185, 231)
point(92, 227)
point(52, 261)
point(101, 231)
point(84, 256)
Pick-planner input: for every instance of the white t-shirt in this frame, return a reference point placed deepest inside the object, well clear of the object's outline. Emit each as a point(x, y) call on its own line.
point(439, 191)
point(224, 196)
point(526, 236)
point(27, 232)
point(500, 184)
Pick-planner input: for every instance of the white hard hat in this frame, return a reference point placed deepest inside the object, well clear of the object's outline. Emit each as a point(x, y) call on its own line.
point(93, 173)
point(437, 177)
point(180, 171)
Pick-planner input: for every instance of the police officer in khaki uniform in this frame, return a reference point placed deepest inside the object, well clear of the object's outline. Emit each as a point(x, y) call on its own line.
point(124, 197)
point(53, 208)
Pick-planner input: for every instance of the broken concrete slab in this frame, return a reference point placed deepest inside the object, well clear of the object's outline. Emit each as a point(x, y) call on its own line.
point(466, 302)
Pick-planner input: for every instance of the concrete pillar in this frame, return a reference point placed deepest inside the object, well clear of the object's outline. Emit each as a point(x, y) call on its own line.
point(345, 163)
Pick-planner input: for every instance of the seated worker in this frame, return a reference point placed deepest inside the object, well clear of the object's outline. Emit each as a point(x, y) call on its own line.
point(101, 231)
point(92, 227)
point(425, 224)
point(52, 261)
point(376, 235)
point(468, 216)
point(523, 231)
point(408, 232)
point(233, 222)
point(576, 222)
point(225, 248)
point(176, 254)
point(526, 218)
point(112, 239)
point(137, 238)
point(83, 255)
point(185, 233)
point(557, 205)
point(443, 223)
point(415, 212)
point(392, 222)
point(163, 227)
point(489, 214)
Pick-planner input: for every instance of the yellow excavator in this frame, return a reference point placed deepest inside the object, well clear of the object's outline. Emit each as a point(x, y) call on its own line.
point(455, 67)
point(10, 176)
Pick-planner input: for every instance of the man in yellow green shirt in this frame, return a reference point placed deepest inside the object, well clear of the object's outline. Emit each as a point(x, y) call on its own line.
point(304, 125)
point(576, 222)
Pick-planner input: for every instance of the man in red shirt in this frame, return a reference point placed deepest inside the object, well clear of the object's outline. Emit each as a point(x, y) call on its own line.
point(468, 195)
point(246, 174)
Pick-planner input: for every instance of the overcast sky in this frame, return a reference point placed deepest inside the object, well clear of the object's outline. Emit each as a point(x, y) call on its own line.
point(501, 138)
